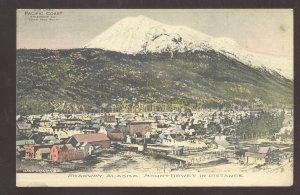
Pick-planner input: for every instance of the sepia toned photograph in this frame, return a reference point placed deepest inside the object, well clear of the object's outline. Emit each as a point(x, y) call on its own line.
point(154, 97)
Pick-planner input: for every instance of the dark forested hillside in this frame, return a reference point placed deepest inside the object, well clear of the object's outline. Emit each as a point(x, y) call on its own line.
point(93, 79)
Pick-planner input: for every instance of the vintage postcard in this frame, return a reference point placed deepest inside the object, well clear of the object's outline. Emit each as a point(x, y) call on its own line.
point(123, 97)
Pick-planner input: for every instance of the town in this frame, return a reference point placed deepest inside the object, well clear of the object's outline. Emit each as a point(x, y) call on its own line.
point(162, 141)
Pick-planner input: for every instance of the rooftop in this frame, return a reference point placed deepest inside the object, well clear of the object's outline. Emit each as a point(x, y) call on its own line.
point(91, 137)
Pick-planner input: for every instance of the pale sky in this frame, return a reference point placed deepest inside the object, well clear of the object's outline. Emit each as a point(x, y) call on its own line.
point(268, 31)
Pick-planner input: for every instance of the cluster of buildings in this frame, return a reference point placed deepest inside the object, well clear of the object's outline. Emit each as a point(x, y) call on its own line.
point(66, 137)
point(78, 147)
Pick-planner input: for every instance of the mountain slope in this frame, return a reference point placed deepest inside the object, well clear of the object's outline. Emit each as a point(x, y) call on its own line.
point(91, 79)
point(140, 35)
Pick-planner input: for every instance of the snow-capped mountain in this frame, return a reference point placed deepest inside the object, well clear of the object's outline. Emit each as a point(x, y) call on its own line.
point(133, 35)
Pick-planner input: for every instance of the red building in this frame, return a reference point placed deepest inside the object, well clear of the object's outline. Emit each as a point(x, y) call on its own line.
point(54, 152)
point(95, 140)
point(63, 153)
point(29, 151)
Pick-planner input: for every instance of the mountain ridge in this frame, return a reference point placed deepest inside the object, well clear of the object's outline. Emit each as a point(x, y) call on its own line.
point(65, 80)
point(141, 35)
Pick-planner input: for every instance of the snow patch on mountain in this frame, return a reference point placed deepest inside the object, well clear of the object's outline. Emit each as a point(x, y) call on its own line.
point(133, 35)
point(281, 65)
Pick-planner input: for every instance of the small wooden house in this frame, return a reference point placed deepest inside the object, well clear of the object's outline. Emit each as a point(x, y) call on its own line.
point(255, 158)
point(29, 151)
point(261, 155)
point(87, 149)
point(42, 153)
point(54, 152)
